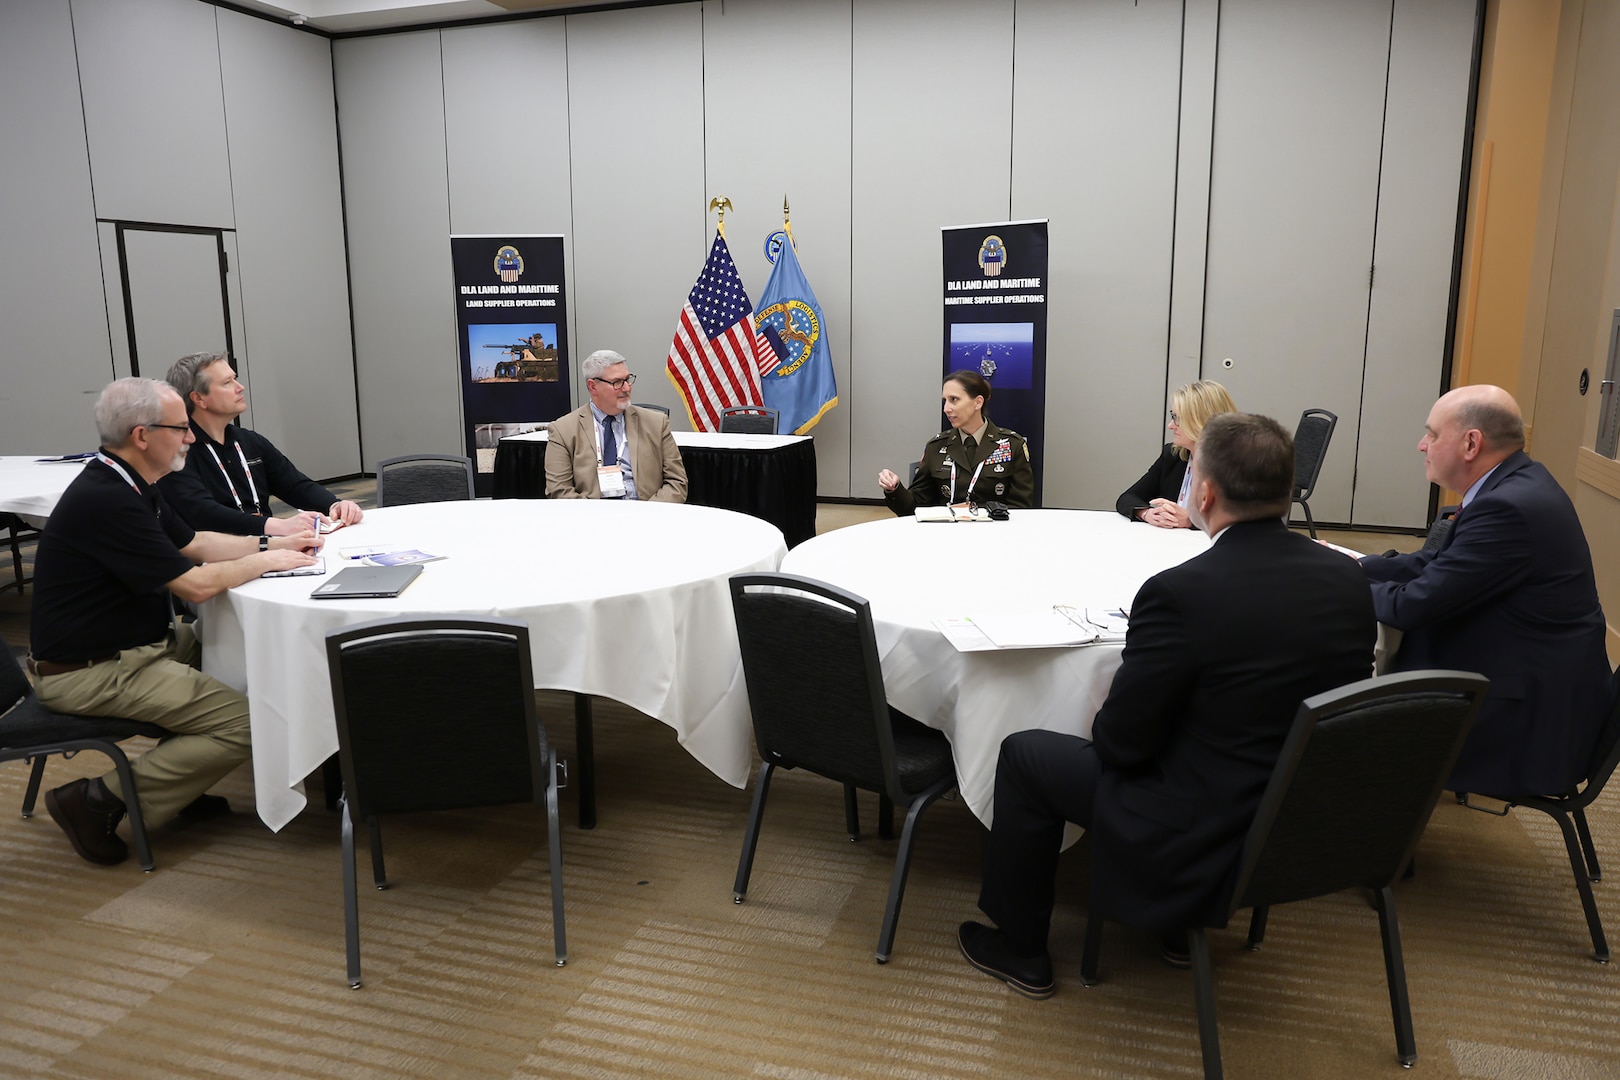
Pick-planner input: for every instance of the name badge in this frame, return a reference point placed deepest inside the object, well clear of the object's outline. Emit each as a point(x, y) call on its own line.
point(611, 481)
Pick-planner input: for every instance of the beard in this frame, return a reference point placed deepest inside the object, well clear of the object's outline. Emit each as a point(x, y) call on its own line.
point(178, 462)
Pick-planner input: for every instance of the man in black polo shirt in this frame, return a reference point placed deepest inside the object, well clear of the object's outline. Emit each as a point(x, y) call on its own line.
point(112, 552)
point(232, 472)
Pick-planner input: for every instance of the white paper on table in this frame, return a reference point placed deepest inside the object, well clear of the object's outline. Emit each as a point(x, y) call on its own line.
point(964, 634)
point(950, 514)
point(1034, 630)
point(1354, 554)
point(1111, 623)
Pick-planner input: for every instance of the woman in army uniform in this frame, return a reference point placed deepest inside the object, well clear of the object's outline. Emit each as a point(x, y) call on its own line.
point(1160, 497)
point(983, 462)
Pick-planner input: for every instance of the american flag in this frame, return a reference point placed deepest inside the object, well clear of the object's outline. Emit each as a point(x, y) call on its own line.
point(717, 359)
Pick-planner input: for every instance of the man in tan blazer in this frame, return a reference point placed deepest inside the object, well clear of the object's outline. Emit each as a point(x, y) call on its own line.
point(609, 449)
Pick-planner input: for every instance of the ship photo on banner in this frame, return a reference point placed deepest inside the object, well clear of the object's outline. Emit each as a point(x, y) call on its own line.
point(995, 322)
point(512, 329)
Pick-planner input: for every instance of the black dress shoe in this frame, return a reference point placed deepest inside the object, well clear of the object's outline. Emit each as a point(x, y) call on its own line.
point(1174, 950)
point(204, 807)
point(93, 833)
point(986, 949)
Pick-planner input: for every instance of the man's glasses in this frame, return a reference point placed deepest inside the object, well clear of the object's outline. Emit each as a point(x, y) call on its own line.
point(618, 384)
point(171, 427)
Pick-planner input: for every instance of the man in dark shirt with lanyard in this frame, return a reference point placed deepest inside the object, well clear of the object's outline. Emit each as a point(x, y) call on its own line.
point(112, 552)
point(232, 472)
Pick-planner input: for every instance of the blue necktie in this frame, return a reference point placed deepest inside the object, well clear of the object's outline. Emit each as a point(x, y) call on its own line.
point(610, 445)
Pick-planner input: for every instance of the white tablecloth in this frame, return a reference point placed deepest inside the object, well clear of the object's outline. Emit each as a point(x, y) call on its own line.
point(31, 487)
point(913, 573)
point(714, 440)
point(624, 600)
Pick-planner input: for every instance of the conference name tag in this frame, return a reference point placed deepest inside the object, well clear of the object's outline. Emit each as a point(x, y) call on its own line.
point(610, 479)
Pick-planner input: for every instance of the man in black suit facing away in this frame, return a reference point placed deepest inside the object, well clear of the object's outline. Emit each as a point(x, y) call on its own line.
point(1220, 653)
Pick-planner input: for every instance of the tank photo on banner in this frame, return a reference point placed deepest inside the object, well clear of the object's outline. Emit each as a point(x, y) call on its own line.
point(995, 322)
point(512, 327)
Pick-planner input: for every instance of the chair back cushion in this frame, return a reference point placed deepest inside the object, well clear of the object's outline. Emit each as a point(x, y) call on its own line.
point(435, 717)
point(1310, 447)
point(13, 684)
point(403, 482)
point(751, 422)
point(1354, 787)
point(814, 686)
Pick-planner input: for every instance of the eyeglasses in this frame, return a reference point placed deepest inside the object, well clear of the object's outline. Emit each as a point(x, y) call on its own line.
point(171, 427)
point(1174, 419)
point(618, 384)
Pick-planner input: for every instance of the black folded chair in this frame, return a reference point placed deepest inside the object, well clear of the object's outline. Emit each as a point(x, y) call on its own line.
point(649, 405)
point(31, 732)
point(424, 478)
point(1358, 777)
point(822, 708)
point(749, 419)
point(1569, 811)
point(437, 714)
point(1311, 440)
point(18, 532)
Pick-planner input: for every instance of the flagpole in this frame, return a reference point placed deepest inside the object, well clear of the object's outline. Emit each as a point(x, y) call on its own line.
point(787, 226)
point(722, 204)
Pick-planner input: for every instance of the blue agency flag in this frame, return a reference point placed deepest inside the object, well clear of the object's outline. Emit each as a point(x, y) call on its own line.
point(803, 387)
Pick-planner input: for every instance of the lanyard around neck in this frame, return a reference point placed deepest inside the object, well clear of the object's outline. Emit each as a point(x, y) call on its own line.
point(253, 489)
point(119, 469)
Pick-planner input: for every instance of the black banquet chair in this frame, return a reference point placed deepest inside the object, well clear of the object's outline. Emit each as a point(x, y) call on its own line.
point(1311, 440)
point(17, 532)
point(30, 732)
point(437, 714)
point(1569, 811)
point(822, 708)
point(749, 419)
point(1359, 775)
point(649, 405)
point(424, 478)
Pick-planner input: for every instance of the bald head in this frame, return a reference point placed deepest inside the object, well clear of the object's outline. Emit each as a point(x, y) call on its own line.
point(1469, 432)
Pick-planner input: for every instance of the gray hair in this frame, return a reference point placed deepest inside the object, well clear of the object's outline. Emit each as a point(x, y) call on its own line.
point(189, 375)
point(126, 405)
point(1502, 427)
point(599, 361)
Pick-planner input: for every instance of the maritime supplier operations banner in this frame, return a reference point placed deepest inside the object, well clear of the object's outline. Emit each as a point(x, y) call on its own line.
point(995, 322)
point(512, 324)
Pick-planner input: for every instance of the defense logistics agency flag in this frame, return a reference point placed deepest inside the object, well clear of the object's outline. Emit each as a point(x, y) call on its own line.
point(717, 358)
point(803, 387)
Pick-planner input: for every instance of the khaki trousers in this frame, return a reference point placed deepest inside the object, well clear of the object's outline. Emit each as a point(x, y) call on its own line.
point(159, 683)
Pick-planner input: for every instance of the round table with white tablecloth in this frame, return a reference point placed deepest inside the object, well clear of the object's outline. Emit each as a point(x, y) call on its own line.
point(30, 487)
point(915, 572)
point(624, 600)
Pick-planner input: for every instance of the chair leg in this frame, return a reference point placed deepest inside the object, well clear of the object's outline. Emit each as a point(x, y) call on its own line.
point(1257, 926)
point(1093, 950)
point(1593, 870)
point(1209, 1036)
point(885, 817)
point(132, 804)
point(559, 930)
point(902, 867)
point(379, 875)
point(1310, 522)
point(351, 900)
point(1583, 885)
point(585, 750)
point(852, 814)
point(745, 864)
point(35, 775)
point(1395, 974)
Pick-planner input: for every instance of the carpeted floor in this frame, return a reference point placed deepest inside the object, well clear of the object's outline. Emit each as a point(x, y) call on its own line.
point(228, 959)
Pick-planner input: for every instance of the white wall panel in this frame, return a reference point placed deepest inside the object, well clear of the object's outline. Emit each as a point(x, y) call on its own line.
point(931, 146)
point(290, 262)
point(635, 91)
point(154, 110)
point(1431, 50)
point(1299, 109)
point(391, 113)
point(54, 354)
point(776, 129)
point(1094, 149)
point(1194, 144)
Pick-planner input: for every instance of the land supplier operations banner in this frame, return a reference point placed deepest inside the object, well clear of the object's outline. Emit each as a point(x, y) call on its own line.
point(512, 326)
point(995, 322)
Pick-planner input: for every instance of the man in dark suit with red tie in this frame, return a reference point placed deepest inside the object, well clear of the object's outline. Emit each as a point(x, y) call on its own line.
point(1510, 594)
point(1221, 651)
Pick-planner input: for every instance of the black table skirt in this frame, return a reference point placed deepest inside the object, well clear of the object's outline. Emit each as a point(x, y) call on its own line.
point(777, 485)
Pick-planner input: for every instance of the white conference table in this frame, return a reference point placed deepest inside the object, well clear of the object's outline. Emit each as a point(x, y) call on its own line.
point(627, 601)
point(914, 572)
point(30, 487)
